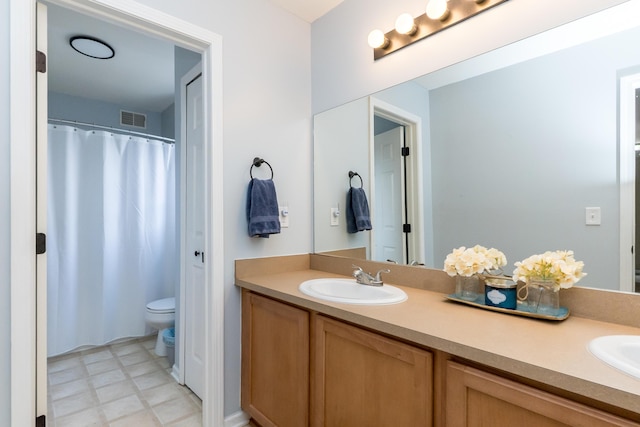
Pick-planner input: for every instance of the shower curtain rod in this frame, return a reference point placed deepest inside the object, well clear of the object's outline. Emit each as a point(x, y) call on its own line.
point(111, 128)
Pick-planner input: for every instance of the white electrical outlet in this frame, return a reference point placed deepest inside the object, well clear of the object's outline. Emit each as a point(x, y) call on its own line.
point(284, 216)
point(593, 216)
point(335, 217)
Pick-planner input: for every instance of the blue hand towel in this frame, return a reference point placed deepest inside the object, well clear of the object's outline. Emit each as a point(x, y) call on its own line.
point(358, 218)
point(262, 208)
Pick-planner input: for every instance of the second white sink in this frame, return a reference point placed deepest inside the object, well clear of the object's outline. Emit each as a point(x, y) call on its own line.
point(620, 351)
point(350, 292)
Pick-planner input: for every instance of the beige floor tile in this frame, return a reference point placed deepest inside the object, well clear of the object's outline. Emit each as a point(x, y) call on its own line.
point(102, 366)
point(87, 418)
point(175, 410)
point(162, 393)
point(142, 368)
point(141, 419)
point(60, 391)
point(140, 394)
point(60, 364)
point(127, 348)
point(67, 375)
point(96, 355)
point(106, 378)
point(194, 420)
point(122, 407)
point(72, 404)
point(115, 391)
point(152, 379)
point(135, 358)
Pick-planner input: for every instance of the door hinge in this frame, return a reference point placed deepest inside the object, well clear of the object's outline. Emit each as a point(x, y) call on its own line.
point(41, 62)
point(405, 151)
point(41, 243)
point(41, 421)
point(406, 228)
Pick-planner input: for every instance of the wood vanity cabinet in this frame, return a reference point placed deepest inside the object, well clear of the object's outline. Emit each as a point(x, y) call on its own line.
point(275, 362)
point(360, 378)
point(476, 398)
point(301, 368)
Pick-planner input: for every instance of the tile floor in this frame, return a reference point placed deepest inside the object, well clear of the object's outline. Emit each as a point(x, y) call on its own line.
point(122, 384)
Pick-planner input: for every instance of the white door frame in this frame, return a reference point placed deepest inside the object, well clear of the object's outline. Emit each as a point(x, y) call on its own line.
point(22, 34)
point(413, 138)
point(627, 181)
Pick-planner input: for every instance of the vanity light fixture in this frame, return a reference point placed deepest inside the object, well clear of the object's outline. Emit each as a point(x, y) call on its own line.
point(92, 47)
point(439, 15)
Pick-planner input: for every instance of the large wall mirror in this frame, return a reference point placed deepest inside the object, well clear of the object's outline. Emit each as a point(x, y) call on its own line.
point(511, 149)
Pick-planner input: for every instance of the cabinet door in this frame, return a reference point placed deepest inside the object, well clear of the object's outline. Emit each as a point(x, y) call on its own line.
point(364, 379)
point(475, 398)
point(275, 362)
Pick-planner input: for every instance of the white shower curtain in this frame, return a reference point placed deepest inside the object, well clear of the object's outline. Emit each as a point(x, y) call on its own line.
point(111, 240)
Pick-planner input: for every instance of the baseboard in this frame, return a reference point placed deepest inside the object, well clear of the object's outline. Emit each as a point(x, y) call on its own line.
point(238, 419)
point(175, 373)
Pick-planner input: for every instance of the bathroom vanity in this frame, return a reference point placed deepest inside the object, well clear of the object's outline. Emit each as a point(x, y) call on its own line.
point(423, 362)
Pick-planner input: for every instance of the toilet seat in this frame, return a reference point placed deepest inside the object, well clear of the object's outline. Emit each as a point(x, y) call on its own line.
point(162, 306)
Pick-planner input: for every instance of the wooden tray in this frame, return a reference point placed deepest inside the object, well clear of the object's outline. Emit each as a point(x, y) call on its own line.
point(521, 309)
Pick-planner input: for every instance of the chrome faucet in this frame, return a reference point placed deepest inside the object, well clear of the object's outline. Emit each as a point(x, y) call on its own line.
point(366, 278)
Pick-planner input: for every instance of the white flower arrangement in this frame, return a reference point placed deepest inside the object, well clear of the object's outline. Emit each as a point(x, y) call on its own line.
point(476, 260)
point(559, 267)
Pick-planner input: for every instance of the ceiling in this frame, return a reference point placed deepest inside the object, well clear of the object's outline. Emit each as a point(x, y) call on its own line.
point(140, 75)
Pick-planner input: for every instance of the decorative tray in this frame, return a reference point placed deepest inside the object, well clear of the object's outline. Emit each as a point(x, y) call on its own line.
point(521, 309)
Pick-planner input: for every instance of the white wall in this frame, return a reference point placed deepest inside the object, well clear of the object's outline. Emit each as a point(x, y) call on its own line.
point(266, 90)
point(343, 68)
point(266, 113)
point(5, 226)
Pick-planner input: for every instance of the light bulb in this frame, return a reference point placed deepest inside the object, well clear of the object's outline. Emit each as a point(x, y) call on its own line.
point(437, 10)
point(377, 39)
point(405, 24)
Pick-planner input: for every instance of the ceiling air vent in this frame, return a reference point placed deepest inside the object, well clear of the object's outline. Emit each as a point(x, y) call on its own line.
point(129, 118)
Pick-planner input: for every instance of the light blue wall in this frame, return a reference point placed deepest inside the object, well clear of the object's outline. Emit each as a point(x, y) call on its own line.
point(5, 226)
point(67, 107)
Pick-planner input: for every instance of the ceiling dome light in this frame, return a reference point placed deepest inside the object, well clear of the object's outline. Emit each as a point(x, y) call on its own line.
point(377, 39)
point(437, 10)
point(92, 47)
point(405, 24)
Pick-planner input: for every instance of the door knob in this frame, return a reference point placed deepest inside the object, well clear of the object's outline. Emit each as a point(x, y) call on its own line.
point(198, 253)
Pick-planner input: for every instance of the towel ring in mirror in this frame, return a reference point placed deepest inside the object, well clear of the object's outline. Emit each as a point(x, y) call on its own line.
point(257, 162)
point(351, 175)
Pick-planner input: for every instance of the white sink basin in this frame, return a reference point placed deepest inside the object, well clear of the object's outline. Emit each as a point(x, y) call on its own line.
point(620, 351)
point(348, 291)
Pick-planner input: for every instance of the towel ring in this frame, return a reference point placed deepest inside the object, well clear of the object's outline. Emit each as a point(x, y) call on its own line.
point(351, 175)
point(257, 162)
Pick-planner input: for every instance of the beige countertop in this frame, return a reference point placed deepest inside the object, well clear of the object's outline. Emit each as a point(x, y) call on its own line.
point(551, 352)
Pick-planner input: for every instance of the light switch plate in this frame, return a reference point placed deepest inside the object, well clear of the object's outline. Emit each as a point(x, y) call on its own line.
point(284, 216)
point(335, 217)
point(593, 216)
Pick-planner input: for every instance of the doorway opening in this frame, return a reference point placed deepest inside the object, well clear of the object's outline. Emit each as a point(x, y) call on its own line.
point(396, 185)
point(629, 150)
point(27, 352)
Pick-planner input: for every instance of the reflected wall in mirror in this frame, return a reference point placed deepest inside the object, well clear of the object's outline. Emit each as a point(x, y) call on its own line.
point(507, 157)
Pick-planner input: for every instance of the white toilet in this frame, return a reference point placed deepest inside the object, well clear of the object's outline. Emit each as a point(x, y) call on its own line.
point(161, 314)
